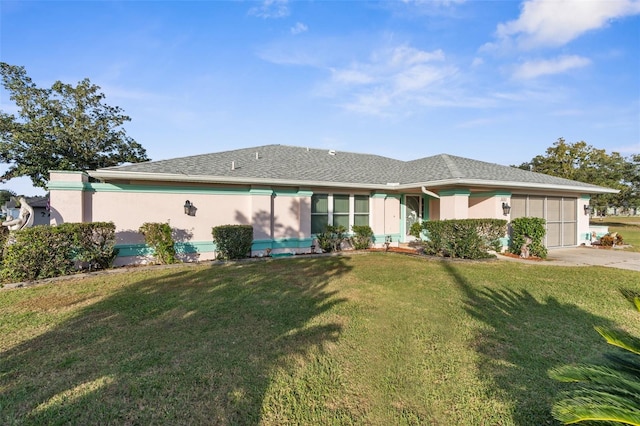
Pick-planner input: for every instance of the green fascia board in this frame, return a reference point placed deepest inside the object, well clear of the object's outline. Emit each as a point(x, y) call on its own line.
point(585, 197)
point(448, 192)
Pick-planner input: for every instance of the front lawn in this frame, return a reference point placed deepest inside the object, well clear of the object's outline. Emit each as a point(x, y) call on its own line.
point(365, 339)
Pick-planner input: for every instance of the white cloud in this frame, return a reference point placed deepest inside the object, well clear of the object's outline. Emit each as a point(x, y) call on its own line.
point(271, 9)
point(533, 69)
point(299, 28)
point(551, 23)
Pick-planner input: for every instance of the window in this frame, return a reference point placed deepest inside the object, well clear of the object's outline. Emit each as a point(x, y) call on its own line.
point(341, 211)
point(319, 213)
point(361, 210)
point(338, 210)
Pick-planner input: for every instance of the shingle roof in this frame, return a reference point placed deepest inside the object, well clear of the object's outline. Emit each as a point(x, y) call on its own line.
point(300, 164)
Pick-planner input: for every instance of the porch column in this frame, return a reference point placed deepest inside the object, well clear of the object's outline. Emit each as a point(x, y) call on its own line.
point(454, 204)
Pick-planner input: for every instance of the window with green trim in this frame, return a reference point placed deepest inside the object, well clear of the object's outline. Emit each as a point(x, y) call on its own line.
point(338, 210)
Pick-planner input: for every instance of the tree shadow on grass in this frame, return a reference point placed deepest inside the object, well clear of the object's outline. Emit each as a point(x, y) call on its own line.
point(197, 346)
point(522, 339)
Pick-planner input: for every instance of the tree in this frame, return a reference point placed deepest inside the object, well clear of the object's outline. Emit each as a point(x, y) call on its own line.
point(584, 163)
point(5, 195)
point(61, 128)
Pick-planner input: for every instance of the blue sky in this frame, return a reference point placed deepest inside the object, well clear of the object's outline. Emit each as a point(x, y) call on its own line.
point(498, 81)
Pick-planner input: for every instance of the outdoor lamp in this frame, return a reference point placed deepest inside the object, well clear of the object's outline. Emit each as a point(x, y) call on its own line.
point(506, 208)
point(187, 207)
point(587, 209)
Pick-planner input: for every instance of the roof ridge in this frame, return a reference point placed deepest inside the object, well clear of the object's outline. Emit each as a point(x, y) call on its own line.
point(451, 165)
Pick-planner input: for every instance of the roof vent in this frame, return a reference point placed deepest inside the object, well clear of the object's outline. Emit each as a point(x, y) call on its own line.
point(332, 152)
point(233, 165)
point(257, 155)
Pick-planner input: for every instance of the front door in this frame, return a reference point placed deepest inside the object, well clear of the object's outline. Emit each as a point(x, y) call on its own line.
point(413, 213)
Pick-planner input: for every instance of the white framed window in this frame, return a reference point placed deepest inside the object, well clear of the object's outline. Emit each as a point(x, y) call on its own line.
point(339, 209)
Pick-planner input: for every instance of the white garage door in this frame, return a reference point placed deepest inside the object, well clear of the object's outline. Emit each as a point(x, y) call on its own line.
point(559, 212)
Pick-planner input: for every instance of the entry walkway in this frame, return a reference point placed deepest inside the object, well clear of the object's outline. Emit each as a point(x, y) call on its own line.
point(589, 256)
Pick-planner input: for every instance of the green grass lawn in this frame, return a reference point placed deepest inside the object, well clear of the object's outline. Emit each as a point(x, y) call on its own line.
point(627, 226)
point(374, 339)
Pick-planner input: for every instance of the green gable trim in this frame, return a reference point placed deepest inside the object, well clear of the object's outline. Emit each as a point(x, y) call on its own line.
point(491, 194)
point(448, 192)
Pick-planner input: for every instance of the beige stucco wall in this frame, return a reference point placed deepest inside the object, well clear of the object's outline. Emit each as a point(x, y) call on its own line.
point(454, 206)
point(487, 207)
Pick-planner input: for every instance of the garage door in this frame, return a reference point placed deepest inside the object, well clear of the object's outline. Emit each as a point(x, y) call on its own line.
point(559, 212)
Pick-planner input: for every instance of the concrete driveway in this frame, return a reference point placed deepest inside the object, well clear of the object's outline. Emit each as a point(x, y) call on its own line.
point(589, 256)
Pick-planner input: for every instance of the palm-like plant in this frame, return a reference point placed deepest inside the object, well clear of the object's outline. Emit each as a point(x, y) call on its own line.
point(609, 394)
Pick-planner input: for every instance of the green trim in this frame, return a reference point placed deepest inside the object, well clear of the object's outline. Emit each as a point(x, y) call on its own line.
point(281, 243)
point(159, 189)
point(448, 192)
point(491, 194)
point(426, 213)
point(68, 186)
point(261, 191)
point(292, 193)
point(381, 238)
point(379, 195)
point(585, 197)
point(141, 249)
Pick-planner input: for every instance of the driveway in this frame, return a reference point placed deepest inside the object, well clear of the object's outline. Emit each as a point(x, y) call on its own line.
point(588, 256)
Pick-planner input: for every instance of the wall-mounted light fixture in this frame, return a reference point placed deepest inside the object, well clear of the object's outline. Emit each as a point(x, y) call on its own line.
point(506, 209)
point(587, 209)
point(189, 208)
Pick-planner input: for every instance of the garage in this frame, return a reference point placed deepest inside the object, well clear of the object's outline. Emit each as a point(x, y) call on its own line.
point(560, 214)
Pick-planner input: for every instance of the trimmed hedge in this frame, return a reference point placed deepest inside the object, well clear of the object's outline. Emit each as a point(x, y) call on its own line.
point(158, 237)
point(331, 239)
point(532, 227)
point(233, 241)
point(464, 238)
point(50, 251)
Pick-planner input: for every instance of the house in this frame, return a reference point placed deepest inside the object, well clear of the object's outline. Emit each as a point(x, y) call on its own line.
point(288, 194)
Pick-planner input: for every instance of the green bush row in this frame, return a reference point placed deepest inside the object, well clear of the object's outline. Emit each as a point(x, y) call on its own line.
point(333, 237)
point(50, 251)
point(233, 241)
point(533, 228)
point(464, 238)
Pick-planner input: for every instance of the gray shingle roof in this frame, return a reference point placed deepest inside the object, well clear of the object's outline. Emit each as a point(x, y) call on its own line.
point(300, 164)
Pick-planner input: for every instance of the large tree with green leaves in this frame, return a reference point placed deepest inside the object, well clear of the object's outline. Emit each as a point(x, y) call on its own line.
point(584, 163)
point(64, 127)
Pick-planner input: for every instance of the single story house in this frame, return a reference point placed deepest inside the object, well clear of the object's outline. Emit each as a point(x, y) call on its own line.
point(289, 194)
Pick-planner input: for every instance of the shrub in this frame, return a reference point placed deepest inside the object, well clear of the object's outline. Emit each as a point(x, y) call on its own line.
point(4, 235)
point(464, 238)
point(95, 243)
point(331, 239)
point(416, 229)
point(50, 251)
point(607, 394)
point(361, 239)
point(532, 227)
point(610, 240)
point(158, 237)
point(233, 241)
